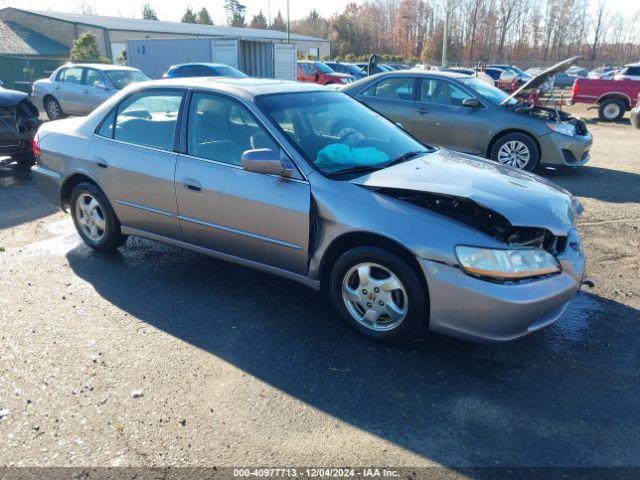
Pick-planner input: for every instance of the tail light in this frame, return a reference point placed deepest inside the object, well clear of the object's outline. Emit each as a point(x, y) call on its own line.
point(574, 90)
point(35, 145)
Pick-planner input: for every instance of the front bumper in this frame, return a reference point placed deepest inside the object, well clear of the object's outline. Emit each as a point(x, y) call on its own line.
point(562, 150)
point(49, 183)
point(466, 307)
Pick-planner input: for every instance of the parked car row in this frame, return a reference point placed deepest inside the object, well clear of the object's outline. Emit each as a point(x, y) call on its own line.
point(463, 113)
point(306, 182)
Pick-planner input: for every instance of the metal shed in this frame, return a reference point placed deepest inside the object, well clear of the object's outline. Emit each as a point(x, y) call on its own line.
point(263, 58)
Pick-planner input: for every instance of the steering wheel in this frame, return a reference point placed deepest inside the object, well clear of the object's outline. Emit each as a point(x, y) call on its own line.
point(350, 136)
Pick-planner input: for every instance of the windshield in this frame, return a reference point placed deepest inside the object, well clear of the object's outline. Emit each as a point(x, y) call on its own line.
point(225, 71)
point(323, 68)
point(487, 92)
point(122, 78)
point(353, 69)
point(337, 133)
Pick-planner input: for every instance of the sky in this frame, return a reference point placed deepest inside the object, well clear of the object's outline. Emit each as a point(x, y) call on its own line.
point(172, 10)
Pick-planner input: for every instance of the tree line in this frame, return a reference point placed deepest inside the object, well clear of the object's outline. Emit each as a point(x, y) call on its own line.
point(518, 31)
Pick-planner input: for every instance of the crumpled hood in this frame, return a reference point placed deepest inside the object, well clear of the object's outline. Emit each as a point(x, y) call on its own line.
point(11, 98)
point(524, 199)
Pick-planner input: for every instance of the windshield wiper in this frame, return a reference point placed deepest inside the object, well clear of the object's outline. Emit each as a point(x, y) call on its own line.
point(356, 169)
point(404, 158)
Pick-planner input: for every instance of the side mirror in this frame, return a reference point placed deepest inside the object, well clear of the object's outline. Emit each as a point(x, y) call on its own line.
point(267, 161)
point(100, 85)
point(472, 102)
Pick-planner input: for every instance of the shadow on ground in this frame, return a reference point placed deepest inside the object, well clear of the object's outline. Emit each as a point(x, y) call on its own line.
point(18, 192)
point(598, 183)
point(566, 396)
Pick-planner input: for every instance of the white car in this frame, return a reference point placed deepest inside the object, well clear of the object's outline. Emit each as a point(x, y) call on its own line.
point(628, 72)
point(77, 89)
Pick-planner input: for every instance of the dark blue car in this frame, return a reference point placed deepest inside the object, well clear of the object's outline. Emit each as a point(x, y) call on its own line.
point(202, 70)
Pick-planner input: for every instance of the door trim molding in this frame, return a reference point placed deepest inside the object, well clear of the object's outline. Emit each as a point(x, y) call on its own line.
point(244, 233)
point(145, 208)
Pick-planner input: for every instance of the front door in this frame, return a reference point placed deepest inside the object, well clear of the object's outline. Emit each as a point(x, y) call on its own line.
point(222, 207)
point(393, 97)
point(134, 161)
point(441, 119)
point(95, 90)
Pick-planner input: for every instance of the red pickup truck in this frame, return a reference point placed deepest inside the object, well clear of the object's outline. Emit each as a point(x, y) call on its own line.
point(613, 97)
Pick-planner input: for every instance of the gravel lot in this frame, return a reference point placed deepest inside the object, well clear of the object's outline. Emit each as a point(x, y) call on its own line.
point(234, 367)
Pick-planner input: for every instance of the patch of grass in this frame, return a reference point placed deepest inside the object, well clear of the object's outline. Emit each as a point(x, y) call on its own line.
point(1, 249)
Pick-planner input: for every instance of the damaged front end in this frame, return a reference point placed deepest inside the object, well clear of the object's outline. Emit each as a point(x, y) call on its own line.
point(481, 218)
point(18, 123)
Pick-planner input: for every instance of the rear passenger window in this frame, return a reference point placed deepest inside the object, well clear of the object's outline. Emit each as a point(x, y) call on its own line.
point(222, 130)
point(394, 88)
point(148, 119)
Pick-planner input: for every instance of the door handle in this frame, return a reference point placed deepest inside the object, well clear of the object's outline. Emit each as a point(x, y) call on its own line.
point(85, 91)
point(100, 162)
point(423, 111)
point(192, 185)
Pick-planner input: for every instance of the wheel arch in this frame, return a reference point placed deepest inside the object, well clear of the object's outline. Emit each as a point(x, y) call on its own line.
point(347, 241)
point(626, 99)
point(497, 136)
point(70, 183)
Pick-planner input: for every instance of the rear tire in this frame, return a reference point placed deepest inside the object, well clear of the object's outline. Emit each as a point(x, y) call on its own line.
point(379, 294)
point(516, 150)
point(53, 108)
point(611, 110)
point(94, 218)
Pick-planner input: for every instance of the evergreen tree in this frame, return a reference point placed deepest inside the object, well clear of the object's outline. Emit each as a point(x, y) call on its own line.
point(189, 16)
point(259, 21)
point(279, 23)
point(85, 49)
point(204, 18)
point(235, 13)
point(148, 13)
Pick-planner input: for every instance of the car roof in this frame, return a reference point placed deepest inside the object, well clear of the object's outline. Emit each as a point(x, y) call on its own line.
point(204, 64)
point(632, 65)
point(245, 87)
point(99, 66)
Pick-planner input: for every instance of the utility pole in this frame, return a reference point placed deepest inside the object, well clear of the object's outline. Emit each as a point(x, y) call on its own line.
point(445, 34)
point(288, 28)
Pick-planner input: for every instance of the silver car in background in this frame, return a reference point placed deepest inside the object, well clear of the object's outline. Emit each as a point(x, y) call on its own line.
point(77, 89)
point(404, 237)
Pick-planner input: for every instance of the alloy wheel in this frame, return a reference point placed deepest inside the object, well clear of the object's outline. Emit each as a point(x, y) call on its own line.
point(91, 217)
point(514, 154)
point(374, 296)
point(53, 109)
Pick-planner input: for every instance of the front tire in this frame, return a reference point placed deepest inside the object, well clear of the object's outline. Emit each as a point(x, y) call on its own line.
point(53, 108)
point(379, 294)
point(94, 218)
point(611, 110)
point(516, 150)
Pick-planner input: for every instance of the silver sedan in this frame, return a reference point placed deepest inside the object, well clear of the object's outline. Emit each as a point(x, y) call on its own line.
point(405, 238)
point(77, 89)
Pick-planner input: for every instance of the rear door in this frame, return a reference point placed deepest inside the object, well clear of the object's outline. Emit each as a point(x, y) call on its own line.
point(442, 120)
point(393, 97)
point(69, 91)
point(263, 218)
point(134, 160)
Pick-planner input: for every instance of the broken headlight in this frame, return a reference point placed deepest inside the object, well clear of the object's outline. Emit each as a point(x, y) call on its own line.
point(513, 264)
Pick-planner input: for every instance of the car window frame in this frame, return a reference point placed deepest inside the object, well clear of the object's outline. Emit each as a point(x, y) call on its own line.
point(86, 72)
point(459, 86)
point(65, 69)
point(115, 108)
point(371, 85)
point(183, 146)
